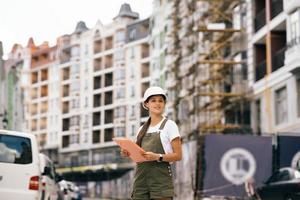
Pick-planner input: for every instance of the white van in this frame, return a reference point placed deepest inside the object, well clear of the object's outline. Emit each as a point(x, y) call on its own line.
point(50, 188)
point(19, 166)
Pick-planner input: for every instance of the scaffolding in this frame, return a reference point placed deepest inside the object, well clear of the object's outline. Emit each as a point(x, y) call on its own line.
point(207, 80)
point(222, 87)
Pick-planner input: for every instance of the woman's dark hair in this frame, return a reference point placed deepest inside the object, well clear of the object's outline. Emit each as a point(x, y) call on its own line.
point(143, 132)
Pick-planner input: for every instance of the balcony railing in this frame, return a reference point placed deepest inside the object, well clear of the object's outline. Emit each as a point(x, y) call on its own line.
point(260, 70)
point(277, 7)
point(260, 19)
point(278, 59)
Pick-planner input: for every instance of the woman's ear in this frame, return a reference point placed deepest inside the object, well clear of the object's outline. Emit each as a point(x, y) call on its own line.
point(146, 105)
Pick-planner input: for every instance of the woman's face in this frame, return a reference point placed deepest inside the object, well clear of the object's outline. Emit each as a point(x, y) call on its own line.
point(156, 104)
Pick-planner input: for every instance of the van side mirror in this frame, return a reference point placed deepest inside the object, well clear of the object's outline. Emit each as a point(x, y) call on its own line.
point(47, 171)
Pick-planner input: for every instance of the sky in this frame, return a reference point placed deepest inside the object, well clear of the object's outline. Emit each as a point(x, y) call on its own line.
point(45, 20)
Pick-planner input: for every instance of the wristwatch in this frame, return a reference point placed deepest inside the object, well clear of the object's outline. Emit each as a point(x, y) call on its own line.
point(160, 159)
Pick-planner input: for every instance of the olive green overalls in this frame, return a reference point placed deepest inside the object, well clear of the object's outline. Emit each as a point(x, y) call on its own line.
point(153, 180)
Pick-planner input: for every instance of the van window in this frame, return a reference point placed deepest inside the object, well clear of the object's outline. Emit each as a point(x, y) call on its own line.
point(14, 149)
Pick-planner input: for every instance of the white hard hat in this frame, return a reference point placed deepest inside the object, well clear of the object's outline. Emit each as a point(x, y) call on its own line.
point(155, 90)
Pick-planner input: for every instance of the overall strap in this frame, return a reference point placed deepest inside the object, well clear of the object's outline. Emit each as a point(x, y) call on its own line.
point(163, 124)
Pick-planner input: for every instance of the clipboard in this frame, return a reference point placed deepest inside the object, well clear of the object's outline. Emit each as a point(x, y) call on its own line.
point(134, 150)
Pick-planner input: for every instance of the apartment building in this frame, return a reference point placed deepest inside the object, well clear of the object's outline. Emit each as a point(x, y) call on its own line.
point(137, 62)
point(42, 108)
point(12, 88)
point(3, 101)
point(274, 27)
point(158, 28)
point(93, 71)
point(103, 73)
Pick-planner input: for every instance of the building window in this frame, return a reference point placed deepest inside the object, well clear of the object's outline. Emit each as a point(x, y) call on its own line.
point(86, 121)
point(86, 49)
point(132, 34)
point(86, 67)
point(119, 55)
point(120, 93)
point(120, 131)
point(75, 51)
point(85, 137)
point(132, 91)
point(120, 36)
point(132, 113)
point(132, 71)
point(86, 102)
point(133, 133)
point(295, 28)
point(120, 74)
point(86, 85)
point(281, 105)
point(132, 52)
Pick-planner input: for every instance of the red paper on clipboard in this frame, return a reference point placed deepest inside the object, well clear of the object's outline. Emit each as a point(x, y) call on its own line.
point(134, 150)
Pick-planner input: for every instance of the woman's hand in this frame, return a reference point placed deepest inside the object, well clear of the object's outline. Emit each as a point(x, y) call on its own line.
point(125, 153)
point(150, 156)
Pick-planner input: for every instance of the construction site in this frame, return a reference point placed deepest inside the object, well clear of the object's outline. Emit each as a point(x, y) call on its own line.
point(232, 75)
point(208, 71)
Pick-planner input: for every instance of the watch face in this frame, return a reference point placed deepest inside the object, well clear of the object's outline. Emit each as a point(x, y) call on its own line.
point(160, 157)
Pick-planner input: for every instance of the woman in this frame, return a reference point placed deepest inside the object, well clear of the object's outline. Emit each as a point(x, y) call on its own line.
point(160, 138)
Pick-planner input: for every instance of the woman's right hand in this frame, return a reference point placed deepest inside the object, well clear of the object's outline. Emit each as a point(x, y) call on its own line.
point(124, 153)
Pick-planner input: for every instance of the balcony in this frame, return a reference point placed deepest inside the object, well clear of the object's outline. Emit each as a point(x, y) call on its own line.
point(43, 123)
point(292, 55)
point(97, 46)
point(108, 79)
point(34, 93)
point(144, 87)
point(65, 55)
point(145, 51)
point(97, 64)
point(33, 109)
point(44, 75)
point(44, 107)
point(66, 124)
point(108, 43)
point(34, 77)
point(276, 7)
point(145, 70)
point(278, 59)
point(108, 98)
point(108, 61)
point(40, 59)
point(34, 125)
point(65, 107)
point(108, 134)
point(66, 90)
point(97, 100)
point(291, 5)
point(66, 73)
point(108, 116)
point(44, 91)
point(96, 137)
point(96, 118)
point(97, 82)
point(65, 141)
point(260, 70)
point(260, 20)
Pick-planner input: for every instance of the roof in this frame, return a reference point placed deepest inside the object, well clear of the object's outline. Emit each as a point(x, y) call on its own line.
point(125, 11)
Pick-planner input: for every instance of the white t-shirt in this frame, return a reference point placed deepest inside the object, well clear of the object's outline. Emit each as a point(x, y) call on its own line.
point(167, 134)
